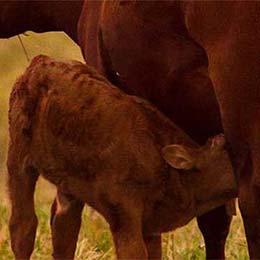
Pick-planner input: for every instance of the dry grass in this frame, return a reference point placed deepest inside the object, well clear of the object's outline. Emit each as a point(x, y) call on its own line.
point(95, 239)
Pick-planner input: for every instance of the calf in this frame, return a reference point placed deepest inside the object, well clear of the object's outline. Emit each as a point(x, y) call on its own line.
point(110, 150)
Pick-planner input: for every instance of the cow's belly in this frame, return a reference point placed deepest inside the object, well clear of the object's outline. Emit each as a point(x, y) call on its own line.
point(145, 53)
point(152, 59)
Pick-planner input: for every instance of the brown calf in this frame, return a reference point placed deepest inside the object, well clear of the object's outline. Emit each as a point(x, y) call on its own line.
point(113, 151)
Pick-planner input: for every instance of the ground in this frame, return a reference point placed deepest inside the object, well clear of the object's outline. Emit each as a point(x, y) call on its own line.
point(95, 239)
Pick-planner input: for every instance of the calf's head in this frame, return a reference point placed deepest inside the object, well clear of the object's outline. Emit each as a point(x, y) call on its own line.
point(206, 171)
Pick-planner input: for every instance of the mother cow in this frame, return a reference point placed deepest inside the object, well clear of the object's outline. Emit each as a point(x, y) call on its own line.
point(164, 51)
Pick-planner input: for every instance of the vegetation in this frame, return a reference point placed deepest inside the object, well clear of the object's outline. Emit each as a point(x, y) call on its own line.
point(95, 239)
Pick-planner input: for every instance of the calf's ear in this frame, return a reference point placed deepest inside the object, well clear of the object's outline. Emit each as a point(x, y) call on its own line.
point(179, 156)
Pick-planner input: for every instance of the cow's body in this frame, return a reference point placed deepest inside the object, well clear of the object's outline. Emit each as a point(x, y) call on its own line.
point(40, 16)
point(184, 40)
point(146, 56)
point(66, 123)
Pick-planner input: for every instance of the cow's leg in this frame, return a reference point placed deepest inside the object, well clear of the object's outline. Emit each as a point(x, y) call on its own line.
point(235, 75)
point(153, 245)
point(214, 226)
point(249, 198)
point(65, 224)
point(241, 113)
point(249, 206)
point(23, 222)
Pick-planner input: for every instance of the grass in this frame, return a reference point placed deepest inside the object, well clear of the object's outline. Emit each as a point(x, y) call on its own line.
point(95, 239)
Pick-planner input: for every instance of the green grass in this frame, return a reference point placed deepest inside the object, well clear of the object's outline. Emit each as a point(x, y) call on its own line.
point(95, 239)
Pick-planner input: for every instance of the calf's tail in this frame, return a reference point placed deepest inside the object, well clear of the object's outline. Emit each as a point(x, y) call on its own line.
point(25, 97)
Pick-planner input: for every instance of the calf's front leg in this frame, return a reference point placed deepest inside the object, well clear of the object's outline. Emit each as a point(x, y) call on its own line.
point(127, 235)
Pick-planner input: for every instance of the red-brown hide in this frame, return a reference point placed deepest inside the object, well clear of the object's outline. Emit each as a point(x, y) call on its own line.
point(173, 53)
point(161, 50)
point(115, 152)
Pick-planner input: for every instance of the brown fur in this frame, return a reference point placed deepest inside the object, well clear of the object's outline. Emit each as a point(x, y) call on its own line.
point(174, 53)
point(162, 64)
point(102, 147)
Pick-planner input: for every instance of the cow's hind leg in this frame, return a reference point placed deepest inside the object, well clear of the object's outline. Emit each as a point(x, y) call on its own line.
point(249, 199)
point(65, 224)
point(214, 226)
point(249, 206)
point(23, 221)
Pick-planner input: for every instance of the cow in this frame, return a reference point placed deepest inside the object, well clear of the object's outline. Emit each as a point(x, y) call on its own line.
point(177, 94)
point(139, 44)
point(174, 53)
point(65, 123)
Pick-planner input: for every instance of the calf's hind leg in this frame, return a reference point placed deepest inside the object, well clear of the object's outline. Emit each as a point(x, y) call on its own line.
point(124, 217)
point(23, 221)
point(65, 224)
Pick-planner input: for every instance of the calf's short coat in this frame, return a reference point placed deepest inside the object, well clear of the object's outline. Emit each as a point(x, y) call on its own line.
point(113, 151)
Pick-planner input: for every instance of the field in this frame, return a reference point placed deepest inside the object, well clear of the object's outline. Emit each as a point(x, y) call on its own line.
point(95, 239)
